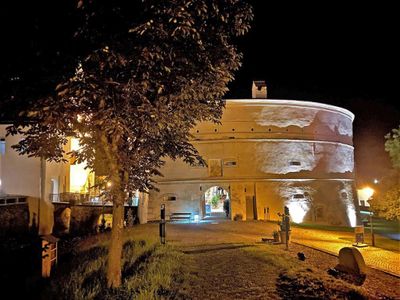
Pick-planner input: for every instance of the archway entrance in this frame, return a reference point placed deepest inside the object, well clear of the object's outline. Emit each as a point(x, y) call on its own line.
point(217, 203)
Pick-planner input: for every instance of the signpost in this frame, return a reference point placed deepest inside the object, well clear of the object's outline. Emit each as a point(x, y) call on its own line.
point(287, 225)
point(372, 229)
point(359, 236)
point(162, 224)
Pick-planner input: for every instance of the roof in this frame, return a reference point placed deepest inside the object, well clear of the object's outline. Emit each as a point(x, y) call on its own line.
point(259, 83)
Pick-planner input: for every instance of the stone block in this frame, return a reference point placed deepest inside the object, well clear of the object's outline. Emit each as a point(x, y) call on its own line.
point(351, 261)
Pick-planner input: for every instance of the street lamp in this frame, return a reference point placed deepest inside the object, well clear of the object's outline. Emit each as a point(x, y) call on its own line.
point(368, 193)
point(372, 228)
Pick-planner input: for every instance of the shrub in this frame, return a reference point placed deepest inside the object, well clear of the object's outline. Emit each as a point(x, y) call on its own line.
point(238, 217)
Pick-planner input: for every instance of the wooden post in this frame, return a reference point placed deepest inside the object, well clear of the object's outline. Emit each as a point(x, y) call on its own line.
point(162, 224)
point(372, 229)
point(286, 220)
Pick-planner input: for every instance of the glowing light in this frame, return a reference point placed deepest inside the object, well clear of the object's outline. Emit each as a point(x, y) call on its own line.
point(351, 214)
point(78, 174)
point(346, 194)
point(366, 193)
point(376, 181)
point(336, 158)
point(298, 210)
point(109, 184)
point(294, 103)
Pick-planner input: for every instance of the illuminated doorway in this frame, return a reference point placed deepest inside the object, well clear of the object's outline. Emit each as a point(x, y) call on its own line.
point(217, 202)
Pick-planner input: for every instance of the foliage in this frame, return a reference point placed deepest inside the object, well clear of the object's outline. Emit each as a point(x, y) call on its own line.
point(392, 145)
point(275, 235)
point(387, 205)
point(238, 217)
point(130, 218)
point(151, 71)
point(215, 200)
point(148, 272)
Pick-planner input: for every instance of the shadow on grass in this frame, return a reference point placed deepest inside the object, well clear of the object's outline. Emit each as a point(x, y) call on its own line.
point(305, 286)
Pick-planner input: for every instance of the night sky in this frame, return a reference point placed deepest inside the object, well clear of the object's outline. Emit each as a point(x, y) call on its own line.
point(333, 53)
point(339, 54)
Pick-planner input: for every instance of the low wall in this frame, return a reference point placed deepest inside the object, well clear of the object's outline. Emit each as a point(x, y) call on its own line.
point(81, 219)
point(14, 219)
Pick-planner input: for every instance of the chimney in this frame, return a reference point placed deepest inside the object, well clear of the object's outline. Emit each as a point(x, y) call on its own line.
point(259, 89)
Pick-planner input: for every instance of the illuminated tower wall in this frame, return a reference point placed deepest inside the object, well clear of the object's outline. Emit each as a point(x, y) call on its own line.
point(267, 154)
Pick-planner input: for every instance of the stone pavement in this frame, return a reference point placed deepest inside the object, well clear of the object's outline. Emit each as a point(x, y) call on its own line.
point(332, 242)
point(224, 231)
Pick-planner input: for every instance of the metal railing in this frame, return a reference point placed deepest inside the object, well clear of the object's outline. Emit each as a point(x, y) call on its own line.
point(77, 198)
point(12, 200)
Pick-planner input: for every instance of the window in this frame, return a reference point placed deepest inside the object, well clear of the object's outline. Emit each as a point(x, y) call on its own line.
point(169, 197)
point(295, 163)
point(230, 163)
point(2, 146)
point(22, 200)
point(298, 196)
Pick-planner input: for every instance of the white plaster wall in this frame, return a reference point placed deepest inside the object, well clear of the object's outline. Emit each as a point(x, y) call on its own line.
point(19, 173)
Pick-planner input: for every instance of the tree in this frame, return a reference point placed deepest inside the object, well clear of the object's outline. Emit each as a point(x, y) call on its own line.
point(133, 98)
point(215, 200)
point(392, 145)
point(387, 201)
point(387, 204)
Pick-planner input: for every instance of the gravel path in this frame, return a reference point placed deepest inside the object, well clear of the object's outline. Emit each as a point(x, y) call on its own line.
point(225, 271)
point(215, 274)
point(220, 268)
point(377, 284)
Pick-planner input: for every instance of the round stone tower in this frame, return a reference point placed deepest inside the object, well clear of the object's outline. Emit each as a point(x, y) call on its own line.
point(269, 154)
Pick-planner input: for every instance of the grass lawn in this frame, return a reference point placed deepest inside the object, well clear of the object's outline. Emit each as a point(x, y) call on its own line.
point(150, 271)
point(296, 280)
point(202, 270)
point(323, 227)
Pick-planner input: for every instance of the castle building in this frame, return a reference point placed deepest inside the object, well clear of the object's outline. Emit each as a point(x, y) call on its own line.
point(267, 154)
point(264, 155)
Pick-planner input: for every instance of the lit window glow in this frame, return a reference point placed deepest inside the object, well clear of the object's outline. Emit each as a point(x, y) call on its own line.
point(78, 174)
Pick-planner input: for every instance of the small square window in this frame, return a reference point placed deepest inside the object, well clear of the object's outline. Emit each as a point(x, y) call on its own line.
point(2, 146)
point(230, 163)
point(169, 197)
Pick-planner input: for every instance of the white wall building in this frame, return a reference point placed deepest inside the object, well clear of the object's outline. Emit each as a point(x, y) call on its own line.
point(21, 175)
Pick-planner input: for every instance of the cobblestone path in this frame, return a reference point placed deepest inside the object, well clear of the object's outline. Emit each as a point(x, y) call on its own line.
point(332, 242)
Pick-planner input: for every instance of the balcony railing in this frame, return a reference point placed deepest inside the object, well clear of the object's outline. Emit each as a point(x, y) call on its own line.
point(12, 200)
point(76, 198)
point(87, 199)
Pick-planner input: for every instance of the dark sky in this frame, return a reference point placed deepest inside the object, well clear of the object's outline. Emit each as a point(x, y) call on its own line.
point(337, 53)
point(334, 53)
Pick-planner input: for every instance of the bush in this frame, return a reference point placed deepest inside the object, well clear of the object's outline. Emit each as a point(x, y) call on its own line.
point(238, 217)
point(215, 200)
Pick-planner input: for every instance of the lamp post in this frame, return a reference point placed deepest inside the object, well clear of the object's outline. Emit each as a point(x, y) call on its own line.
point(372, 228)
point(368, 193)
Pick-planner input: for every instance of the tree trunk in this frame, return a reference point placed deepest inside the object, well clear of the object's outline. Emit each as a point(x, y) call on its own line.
point(117, 191)
point(115, 247)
